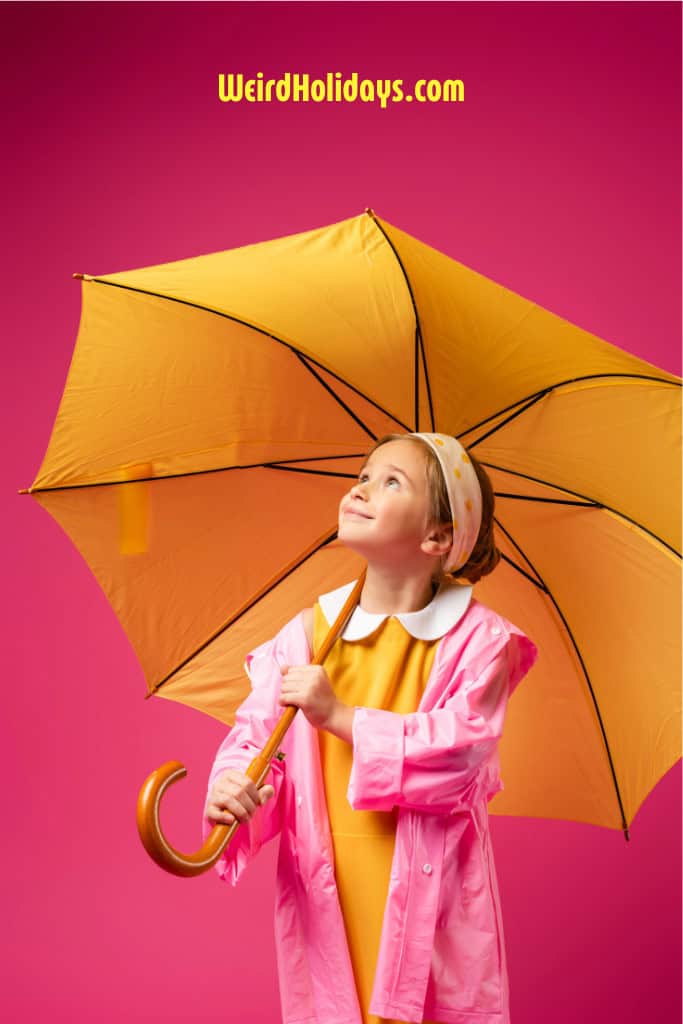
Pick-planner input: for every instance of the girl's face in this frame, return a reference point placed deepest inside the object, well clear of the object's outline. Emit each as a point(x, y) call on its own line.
point(385, 515)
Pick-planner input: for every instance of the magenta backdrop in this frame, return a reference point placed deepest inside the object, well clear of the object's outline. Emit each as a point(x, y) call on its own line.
point(559, 178)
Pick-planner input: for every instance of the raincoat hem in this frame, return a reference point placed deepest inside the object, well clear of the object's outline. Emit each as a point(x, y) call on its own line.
point(415, 1014)
point(315, 1019)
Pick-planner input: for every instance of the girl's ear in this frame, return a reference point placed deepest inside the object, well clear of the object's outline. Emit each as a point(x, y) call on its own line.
point(438, 540)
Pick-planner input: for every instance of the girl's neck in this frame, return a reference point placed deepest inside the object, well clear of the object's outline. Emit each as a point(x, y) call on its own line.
point(392, 593)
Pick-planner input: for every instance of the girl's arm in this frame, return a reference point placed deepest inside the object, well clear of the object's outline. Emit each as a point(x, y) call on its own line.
point(435, 760)
point(255, 719)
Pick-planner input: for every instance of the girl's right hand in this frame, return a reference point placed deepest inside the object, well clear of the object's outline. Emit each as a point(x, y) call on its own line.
point(235, 796)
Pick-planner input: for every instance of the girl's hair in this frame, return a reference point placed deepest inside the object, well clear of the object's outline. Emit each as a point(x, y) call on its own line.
point(485, 555)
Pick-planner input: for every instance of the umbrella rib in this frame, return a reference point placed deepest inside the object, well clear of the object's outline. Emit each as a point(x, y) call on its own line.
point(427, 384)
point(243, 610)
point(518, 412)
point(536, 395)
point(586, 500)
point(523, 572)
point(193, 472)
point(416, 380)
point(336, 397)
point(419, 343)
point(537, 582)
point(550, 501)
point(259, 330)
point(315, 472)
point(547, 590)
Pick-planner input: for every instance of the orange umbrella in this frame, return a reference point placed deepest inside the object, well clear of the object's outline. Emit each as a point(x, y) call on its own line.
point(216, 408)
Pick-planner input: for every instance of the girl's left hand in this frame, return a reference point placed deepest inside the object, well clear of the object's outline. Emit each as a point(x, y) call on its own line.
point(308, 687)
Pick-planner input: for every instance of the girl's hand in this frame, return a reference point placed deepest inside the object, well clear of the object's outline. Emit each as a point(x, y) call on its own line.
point(234, 795)
point(308, 687)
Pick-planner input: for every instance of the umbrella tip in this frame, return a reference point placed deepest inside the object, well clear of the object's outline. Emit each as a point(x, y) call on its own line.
point(24, 490)
point(83, 277)
point(370, 211)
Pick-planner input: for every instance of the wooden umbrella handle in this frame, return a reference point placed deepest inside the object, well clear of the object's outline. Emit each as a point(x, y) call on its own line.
point(156, 784)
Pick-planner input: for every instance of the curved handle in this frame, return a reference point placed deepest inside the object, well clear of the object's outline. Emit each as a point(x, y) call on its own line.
point(155, 785)
point(153, 839)
point(186, 865)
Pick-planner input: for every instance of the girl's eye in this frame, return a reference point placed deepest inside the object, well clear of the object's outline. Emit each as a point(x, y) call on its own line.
point(392, 480)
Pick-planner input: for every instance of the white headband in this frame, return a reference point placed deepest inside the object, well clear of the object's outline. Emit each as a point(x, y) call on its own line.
point(464, 496)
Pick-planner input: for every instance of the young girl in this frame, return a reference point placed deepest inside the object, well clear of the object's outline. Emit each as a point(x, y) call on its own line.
point(387, 899)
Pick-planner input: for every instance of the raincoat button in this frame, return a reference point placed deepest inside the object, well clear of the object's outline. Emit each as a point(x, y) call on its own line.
point(299, 801)
point(427, 868)
point(495, 630)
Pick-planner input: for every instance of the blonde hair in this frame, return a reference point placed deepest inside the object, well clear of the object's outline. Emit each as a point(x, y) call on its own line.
point(485, 555)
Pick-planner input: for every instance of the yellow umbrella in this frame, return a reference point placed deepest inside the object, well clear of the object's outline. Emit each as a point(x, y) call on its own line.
point(216, 407)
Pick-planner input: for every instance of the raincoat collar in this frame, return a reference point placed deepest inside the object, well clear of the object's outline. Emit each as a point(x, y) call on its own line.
point(446, 608)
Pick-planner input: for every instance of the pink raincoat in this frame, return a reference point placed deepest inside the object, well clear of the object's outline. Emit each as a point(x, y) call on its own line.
point(442, 952)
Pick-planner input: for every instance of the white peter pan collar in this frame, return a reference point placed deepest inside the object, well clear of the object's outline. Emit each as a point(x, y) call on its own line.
point(446, 608)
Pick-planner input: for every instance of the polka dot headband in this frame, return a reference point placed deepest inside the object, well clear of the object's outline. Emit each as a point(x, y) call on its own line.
point(464, 496)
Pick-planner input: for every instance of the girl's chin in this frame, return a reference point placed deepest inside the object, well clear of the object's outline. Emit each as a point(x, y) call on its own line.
point(351, 540)
point(365, 548)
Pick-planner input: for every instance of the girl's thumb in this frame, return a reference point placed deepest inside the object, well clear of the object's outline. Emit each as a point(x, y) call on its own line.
point(265, 793)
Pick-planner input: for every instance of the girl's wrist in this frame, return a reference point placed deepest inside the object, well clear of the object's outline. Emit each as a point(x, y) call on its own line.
point(340, 721)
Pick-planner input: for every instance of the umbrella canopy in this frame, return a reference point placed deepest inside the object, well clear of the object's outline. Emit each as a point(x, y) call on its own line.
point(217, 407)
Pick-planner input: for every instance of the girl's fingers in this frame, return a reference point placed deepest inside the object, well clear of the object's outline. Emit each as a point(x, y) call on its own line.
point(235, 784)
point(214, 813)
point(242, 808)
point(235, 796)
point(289, 695)
point(230, 808)
point(238, 803)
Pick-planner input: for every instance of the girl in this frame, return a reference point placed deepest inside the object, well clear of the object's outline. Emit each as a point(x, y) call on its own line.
point(387, 898)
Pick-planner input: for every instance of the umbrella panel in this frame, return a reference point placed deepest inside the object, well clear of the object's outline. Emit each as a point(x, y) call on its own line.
point(197, 531)
point(486, 347)
point(562, 439)
point(628, 693)
point(193, 392)
point(336, 294)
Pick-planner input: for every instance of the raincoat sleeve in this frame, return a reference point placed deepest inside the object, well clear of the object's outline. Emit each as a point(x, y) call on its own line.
point(443, 760)
point(255, 719)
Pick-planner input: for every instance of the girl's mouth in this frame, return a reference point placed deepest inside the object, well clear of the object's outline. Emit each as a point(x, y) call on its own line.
point(356, 513)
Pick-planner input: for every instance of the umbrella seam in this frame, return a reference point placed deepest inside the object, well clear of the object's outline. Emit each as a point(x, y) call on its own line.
point(544, 391)
point(509, 536)
point(253, 327)
point(199, 472)
point(589, 502)
point(336, 397)
point(419, 343)
point(263, 593)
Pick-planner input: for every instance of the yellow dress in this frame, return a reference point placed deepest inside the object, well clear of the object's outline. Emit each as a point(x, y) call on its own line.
point(387, 669)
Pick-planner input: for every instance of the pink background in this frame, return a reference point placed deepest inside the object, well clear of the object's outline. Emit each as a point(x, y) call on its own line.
point(559, 178)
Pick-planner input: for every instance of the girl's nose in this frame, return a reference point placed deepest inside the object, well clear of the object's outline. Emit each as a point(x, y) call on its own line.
point(359, 490)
